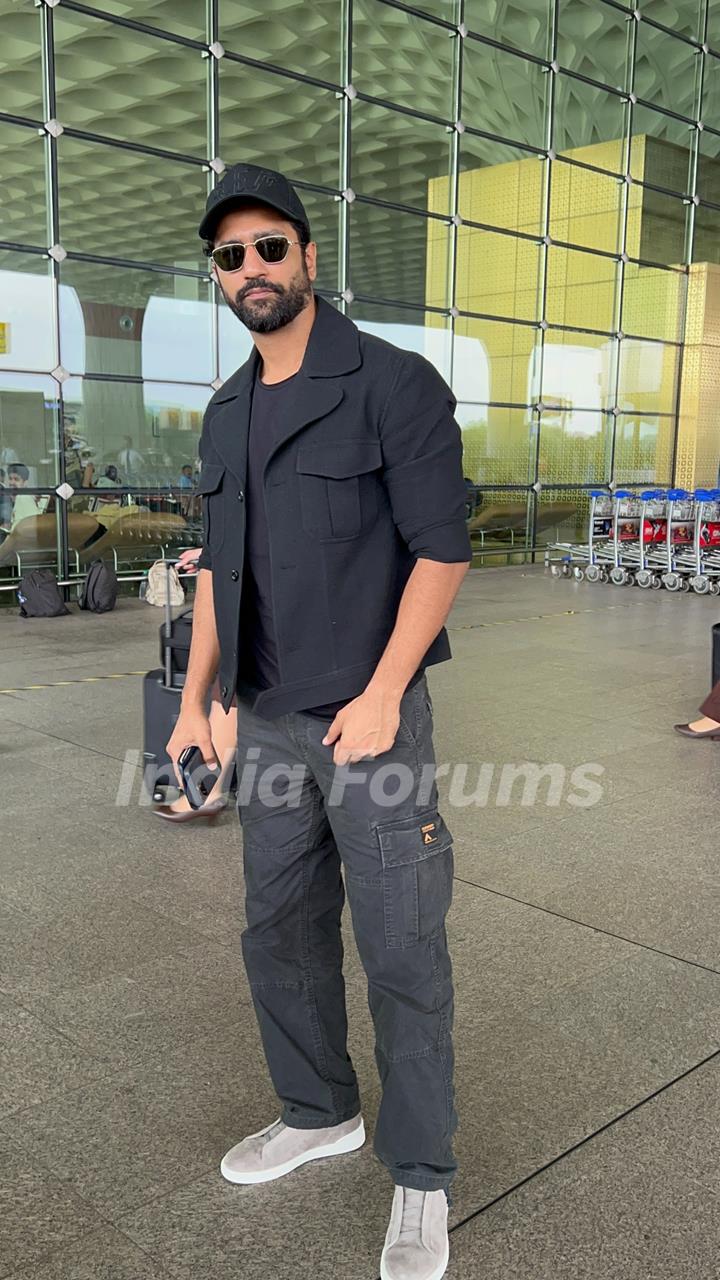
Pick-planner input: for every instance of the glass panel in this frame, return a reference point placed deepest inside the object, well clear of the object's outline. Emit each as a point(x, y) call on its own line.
point(28, 427)
point(183, 18)
point(562, 516)
point(574, 446)
point(501, 185)
point(498, 447)
point(395, 53)
point(147, 431)
point(21, 60)
point(594, 40)
point(656, 226)
point(235, 341)
point(424, 332)
point(504, 94)
point(499, 525)
point(581, 289)
point(523, 26)
point(706, 239)
point(135, 323)
point(28, 529)
point(22, 190)
point(585, 208)
point(648, 376)
point(643, 448)
point(153, 91)
point(711, 93)
point(590, 124)
point(498, 274)
point(495, 361)
point(708, 174)
point(579, 371)
point(684, 17)
point(713, 27)
point(399, 158)
point(271, 31)
point(667, 71)
point(282, 123)
point(122, 204)
point(653, 303)
point(398, 256)
point(26, 312)
point(664, 162)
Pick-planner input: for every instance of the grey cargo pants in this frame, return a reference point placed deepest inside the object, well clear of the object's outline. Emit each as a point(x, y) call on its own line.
point(303, 818)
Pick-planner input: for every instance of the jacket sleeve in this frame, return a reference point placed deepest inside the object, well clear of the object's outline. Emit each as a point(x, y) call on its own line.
point(204, 560)
point(422, 453)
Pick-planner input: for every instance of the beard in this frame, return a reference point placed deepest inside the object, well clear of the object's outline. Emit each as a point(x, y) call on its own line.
point(266, 315)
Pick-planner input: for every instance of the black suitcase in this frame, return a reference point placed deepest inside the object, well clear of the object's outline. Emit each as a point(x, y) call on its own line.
point(161, 700)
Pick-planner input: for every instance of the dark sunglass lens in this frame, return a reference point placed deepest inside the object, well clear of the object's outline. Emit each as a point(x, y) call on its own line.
point(273, 248)
point(229, 257)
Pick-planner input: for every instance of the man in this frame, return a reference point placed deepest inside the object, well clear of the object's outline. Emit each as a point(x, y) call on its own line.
point(131, 463)
point(24, 504)
point(334, 545)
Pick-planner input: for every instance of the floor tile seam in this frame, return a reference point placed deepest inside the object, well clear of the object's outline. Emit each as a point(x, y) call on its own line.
point(56, 737)
point(559, 818)
point(585, 924)
point(588, 1139)
point(73, 1044)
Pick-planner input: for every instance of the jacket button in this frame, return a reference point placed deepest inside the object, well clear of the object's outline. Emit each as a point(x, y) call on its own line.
point(224, 691)
point(241, 495)
point(234, 575)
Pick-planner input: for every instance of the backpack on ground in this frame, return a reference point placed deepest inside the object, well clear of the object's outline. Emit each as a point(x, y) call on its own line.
point(163, 583)
point(100, 589)
point(39, 595)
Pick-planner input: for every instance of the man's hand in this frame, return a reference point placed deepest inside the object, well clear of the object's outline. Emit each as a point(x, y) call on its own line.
point(188, 560)
point(192, 729)
point(364, 728)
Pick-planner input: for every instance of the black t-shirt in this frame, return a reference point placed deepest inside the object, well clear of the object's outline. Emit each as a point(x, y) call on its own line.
point(258, 645)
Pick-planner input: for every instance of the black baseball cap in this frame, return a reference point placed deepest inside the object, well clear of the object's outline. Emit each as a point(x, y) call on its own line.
point(253, 184)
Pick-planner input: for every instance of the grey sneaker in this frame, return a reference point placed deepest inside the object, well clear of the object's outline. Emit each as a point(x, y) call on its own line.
point(416, 1245)
point(278, 1150)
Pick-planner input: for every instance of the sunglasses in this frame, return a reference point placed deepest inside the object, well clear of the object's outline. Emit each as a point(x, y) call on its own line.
point(272, 249)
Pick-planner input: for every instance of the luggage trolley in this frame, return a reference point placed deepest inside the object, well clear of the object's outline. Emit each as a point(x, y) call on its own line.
point(652, 532)
point(706, 542)
point(680, 562)
point(626, 537)
point(591, 559)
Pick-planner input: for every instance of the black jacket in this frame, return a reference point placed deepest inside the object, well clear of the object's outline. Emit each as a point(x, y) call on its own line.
point(366, 477)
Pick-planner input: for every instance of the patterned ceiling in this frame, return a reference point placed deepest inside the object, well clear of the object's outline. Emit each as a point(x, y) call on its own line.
point(133, 87)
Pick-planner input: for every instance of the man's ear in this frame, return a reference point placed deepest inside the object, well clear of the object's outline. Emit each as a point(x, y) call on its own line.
point(311, 259)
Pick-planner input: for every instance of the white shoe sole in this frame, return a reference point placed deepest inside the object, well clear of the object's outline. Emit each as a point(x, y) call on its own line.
point(350, 1142)
point(437, 1274)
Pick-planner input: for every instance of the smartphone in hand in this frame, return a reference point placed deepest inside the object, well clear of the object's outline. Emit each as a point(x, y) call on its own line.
point(197, 779)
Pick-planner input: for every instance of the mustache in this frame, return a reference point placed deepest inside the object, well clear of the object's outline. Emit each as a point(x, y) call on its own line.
point(257, 284)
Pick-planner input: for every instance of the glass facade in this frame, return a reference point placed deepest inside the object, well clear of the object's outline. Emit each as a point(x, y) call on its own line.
point(529, 195)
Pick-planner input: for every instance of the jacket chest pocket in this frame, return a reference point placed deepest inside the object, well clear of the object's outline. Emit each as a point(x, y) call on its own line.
point(210, 488)
point(338, 490)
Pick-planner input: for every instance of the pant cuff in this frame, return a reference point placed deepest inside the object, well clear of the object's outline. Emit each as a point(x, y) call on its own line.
point(419, 1182)
point(295, 1121)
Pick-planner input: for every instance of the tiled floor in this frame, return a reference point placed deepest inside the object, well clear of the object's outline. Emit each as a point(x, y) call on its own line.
point(586, 943)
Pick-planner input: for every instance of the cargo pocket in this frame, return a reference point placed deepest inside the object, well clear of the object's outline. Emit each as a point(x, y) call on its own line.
point(417, 873)
point(338, 493)
point(210, 489)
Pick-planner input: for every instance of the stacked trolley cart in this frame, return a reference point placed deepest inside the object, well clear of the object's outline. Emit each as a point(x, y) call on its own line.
point(657, 538)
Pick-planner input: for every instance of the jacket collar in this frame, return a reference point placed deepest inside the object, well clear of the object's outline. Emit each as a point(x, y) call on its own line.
point(333, 349)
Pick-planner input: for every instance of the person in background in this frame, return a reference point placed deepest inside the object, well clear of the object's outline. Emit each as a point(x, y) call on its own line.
point(6, 500)
point(110, 479)
point(75, 465)
point(131, 462)
point(223, 730)
point(187, 485)
point(24, 504)
point(708, 726)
